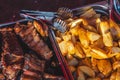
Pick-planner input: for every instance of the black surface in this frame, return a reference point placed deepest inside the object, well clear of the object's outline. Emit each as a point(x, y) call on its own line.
point(9, 9)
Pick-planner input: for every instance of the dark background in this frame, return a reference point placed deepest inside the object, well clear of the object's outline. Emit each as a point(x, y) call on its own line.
point(9, 9)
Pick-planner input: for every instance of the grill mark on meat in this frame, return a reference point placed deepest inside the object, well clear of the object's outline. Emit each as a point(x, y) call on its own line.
point(12, 56)
point(34, 63)
point(33, 67)
point(52, 77)
point(36, 43)
point(10, 43)
point(11, 59)
point(28, 37)
point(27, 77)
point(2, 77)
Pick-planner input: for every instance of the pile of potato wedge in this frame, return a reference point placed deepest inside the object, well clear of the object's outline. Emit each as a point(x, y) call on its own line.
point(91, 47)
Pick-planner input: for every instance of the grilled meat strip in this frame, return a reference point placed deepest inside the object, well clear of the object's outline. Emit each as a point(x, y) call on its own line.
point(52, 77)
point(12, 56)
point(29, 35)
point(33, 68)
point(2, 77)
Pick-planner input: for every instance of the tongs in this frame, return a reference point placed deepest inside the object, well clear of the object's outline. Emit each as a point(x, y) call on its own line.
point(57, 18)
point(62, 13)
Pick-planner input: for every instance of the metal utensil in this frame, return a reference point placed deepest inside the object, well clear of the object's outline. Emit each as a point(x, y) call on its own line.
point(116, 4)
point(60, 25)
point(56, 24)
point(62, 13)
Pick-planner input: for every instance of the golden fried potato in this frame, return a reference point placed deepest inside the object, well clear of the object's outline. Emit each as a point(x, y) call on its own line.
point(73, 62)
point(113, 76)
point(115, 30)
point(92, 36)
point(70, 47)
point(98, 53)
point(116, 65)
point(86, 61)
point(79, 52)
point(40, 29)
point(87, 70)
point(87, 51)
point(104, 66)
point(72, 68)
point(74, 31)
point(118, 75)
point(99, 43)
point(67, 37)
point(88, 14)
point(63, 47)
point(69, 57)
point(58, 39)
point(114, 51)
point(83, 38)
point(96, 78)
point(75, 22)
point(89, 28)
point(80, 75)
point(107, 38)
point(94, 65)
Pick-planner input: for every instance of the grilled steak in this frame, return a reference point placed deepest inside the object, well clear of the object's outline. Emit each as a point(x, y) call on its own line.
point(12, 56)
point(52, 77)
point(29, 35)
point(33, 68)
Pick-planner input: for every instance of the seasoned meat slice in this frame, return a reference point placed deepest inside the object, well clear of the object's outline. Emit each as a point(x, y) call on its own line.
point(33, 68)
point(29, 35)
point(52, 77)
point(2, 77)
point(12, 56)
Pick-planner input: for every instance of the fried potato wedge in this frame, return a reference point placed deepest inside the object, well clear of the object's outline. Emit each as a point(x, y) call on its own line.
point(72, 68)
point(118, 75)
point(114, 51)
point(73, 62)
point(99, 43)
point(70, 47)
point(116, 65)
point(43, 32)
point(104, 66)
point(83, 38)
point(89, 13)
point(87, 70)
point(107, 39)
point(97, 78)
point(80, 75)
point(115, 29)
point(74, 31)
point(63, 47)
point(113, 76)
point(79, 52)
point(105, 31)
point(98, 53)
point(75, 22)
point(67, 37)
point(92, 36)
